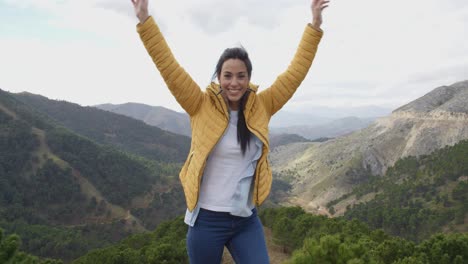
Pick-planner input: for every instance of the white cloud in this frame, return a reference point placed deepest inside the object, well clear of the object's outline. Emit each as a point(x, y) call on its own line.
point(218, 16)
point(373, 52)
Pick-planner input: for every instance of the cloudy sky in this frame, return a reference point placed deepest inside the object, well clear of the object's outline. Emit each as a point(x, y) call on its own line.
point(374, 52)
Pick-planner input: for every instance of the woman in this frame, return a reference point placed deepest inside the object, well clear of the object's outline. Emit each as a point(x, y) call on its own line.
point(227, 174)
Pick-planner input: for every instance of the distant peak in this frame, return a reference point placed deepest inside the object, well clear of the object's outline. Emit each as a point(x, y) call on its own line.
point(450, 98)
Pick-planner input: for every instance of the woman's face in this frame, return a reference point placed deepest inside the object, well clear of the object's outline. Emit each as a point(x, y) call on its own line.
point(234, 81)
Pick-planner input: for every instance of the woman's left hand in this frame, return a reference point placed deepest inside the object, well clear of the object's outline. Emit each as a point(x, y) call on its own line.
point(317, 7)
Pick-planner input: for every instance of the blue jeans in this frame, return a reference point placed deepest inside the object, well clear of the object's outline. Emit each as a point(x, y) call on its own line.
point(243, 237)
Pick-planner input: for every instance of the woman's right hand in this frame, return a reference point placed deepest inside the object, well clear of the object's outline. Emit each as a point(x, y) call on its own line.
point(141, 9)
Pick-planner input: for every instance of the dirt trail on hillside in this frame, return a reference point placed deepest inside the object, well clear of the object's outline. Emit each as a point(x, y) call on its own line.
point(87, 188)
point(8, 111)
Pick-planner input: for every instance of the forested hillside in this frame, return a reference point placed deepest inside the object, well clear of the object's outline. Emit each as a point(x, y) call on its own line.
point(318, 239)
point(65, 194)
point(10, 253)
point(284, 139)
point(416, 197)
point(309, 238)
point(112, 129)
point(166, 244)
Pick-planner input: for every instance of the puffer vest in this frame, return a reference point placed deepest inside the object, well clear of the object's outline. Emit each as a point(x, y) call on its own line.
point(209, 115)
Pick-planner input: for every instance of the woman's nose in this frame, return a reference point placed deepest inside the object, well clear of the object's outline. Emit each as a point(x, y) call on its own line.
point(236, 80)
point(233, 82)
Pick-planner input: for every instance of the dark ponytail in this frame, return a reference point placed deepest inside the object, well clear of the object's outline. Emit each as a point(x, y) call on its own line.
point(243, 133)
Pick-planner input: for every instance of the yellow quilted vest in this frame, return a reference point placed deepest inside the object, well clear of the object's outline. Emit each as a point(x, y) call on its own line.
point(209, 113)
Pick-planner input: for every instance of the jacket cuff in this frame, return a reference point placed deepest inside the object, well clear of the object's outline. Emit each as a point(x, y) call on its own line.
point(316, 28)
point(311, 35)
point(142, 27)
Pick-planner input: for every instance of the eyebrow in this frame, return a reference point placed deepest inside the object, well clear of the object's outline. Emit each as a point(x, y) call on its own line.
point(242, 72)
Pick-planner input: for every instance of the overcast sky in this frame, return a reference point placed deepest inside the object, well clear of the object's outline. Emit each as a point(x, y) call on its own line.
point(374, 52)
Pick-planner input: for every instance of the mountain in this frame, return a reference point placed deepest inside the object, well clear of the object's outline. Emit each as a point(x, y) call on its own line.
point(113, 129)
point(322, 172)
point(153, 115)
point(445, 99)
point(66, 194)
point(284, 139)
point(286, 119)
point(317, 115)
point(335, 128)
point(283, 122)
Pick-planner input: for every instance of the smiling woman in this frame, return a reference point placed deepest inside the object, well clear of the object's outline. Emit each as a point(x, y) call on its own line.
point(227, 174)
point(233, 72)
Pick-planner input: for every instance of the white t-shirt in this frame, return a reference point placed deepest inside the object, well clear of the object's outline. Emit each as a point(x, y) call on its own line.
point(225, 168)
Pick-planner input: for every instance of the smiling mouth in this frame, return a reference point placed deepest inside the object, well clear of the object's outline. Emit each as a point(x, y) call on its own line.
point(234, 92)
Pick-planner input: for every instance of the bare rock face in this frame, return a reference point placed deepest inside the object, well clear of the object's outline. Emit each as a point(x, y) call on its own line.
point(322, 172)
point(413, 134)
point(436, 120)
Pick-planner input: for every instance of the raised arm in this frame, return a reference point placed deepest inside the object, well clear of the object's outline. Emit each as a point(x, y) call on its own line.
point(287, 83)
point(187, 93)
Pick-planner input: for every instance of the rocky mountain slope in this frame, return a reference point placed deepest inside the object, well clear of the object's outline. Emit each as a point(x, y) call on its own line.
point(321, 172)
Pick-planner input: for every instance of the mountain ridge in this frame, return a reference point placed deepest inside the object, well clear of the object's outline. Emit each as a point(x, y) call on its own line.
point(334, 128)
point(322, 172)
point(158, 116)
point(451, 98)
